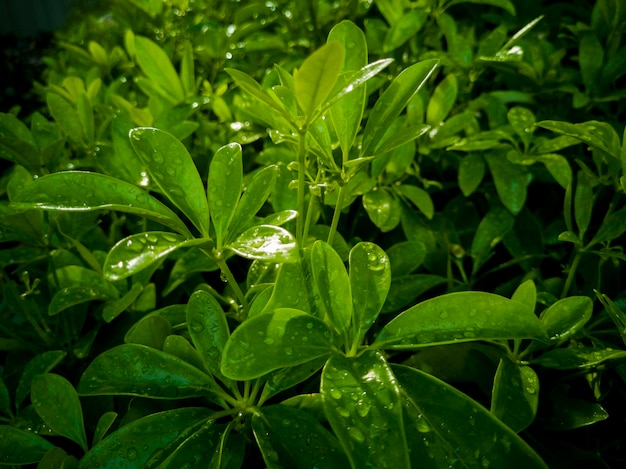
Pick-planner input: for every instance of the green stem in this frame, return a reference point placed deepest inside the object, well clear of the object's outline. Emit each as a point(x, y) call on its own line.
point(338, 206)
point(571, 274)
point(301, 188)
point(230, 278)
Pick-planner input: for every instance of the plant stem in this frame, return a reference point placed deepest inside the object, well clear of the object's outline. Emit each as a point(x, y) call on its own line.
point(571, 273)
point(338, 206)
point(301, 187)
point(230, 278)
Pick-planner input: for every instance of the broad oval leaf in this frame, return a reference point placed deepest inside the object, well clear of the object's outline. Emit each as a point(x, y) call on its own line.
point(20, 447)
point(266, 342)
point(289, 437)
point(511, 180)
point(137, 370)
point(266, 242)
point(492, 228)
point(392, 101)
point(139, 251)
point(148, 441)
point(56, 402)
point(420, 198)
point(40, 364)
point(461, 316)
point(333, 287)
point(445, 427)
point(172, 169)
point(362, 403)
point(579, 357)
point(566, 317)
point(370, 279)
point(81, 191)
point(224, 188)
point(68, 297)
point(383, 209)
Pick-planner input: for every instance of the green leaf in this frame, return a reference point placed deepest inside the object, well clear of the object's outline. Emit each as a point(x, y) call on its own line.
point(292, 288)
point(155, 63)
point(253, 198)
point(457, 317)
point(398, 135)
point(511, 180)
point(40, 364)
point(224, 188)
point(526, 294)
point(370, 278)
point(420, 198)
point(523, 121)
point(20, 447)
point(269, 341)
point(566, 317)
point(150, 330)
point(405, 257)
point(193, 261)
point(590, 58)
point(347, 112)
point(103, 426)
point(471, 173)
point(558, 167)
point(492, 228)
point(596, 134)
point(292, 438)
point(113, 309)
point(504, 4)
point(616, 314)
point(17, 143)
point(252, 87)
point(362, 403)
point(445, 427)
point(612, 227)
point(187, 74)
point(208, 328)
point(406, 27)
point(68, 297)
point(66, 116)
point(383, 209)
point(442, 100)
point(137, 370)
point(579, 357)
point(266, 242)
point(333, 285)
point(78, 191)
point(139, 251)
point(5, 399)
point(392, 101)
point(316, 77)
point(583, 203)
point(56, 402)
point(197, 449)
point(86, 118)
point(148, 441)
point(406, 288)
point(172, 169)
point(286, 378)
point(515, 396)
point(567, 413)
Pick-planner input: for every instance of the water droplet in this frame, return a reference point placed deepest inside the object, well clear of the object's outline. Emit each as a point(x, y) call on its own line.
point(336, 393)
point(356, 434)
point(131, 454)
point(268, 341)
point(288, 351)
point(197, 326)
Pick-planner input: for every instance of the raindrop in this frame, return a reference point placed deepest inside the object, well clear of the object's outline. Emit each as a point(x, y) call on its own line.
point(131, 454)
point(336, 393)
point(356, 434)
point(197, 326)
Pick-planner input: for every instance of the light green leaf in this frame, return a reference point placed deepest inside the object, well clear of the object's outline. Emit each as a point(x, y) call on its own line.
point(511, 180)
point(66, 116)
point(21, 447)
point(445, 427)
point(558, 167)
point(17, 143)
point(289, 437)
point(56, 402)
point(266, 342)
point(224, 188)
point(137, 370)
point(406, 27)
point(442, 100)
point(420, 198)
point(523, 122)
point(172, 169)
point(526, 294)
point(155, 63)
point(383, 209)
point(266, 242)
point(504, 4)
point(460, 317)
point(594, 133)
point(515, 395)
point(252, 87)
point(78, 191)
point(187, 74)
point(612, 227)
point(566, 317)
point(362, 403)
point(333, 286)
point(317, 76)
point(392, 101)
point(492, 228)
point(590, 58)
point(370, 278)
point(139, 251)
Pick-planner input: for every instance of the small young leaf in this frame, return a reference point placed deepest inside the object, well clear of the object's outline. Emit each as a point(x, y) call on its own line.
point(566, 317)
point(515, 396)
point(522, 120)
point(155, 63)
point(56, 402)
point(420, 198)
point(224, 188)
point(266, 242)
point(471, 173)
point(316, 77)
point(526, 294)
point(292, 438)
point(590, 58)
point(150, 330)
point(269, 341)
point(252, 87)
point(172, 169)
point(103, 426)
point(492, 228)
point(67, 117)
point(558, 167)
point(383, 209)
point(442, 100)
point(40, 364)
point(22, 447)
point(362, 403)
point(461, 316)
point(511, 180)
point(68, 297)
point(333, 285)
point(78, 191)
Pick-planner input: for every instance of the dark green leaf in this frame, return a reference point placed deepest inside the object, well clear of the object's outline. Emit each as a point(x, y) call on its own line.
point(567, 413)
point(492, 228)
point(579, 357)
point(442, 100)
point(511, 181)
point(292, 438)
point(362, 403)
point(461, 316)
point(405, 257)
point(80, 191)
point(68, 297)
point(406, 27)
point(523, 121)
point(193, 261)
point(5, 399)
point(286, 378)
point(420, 198)
point(137, 370)
point(41, 364)
point(56, 402)
point(114, 308)
point(406, 288)
point(504, 4)
point(583, 203)
point(566, 317)
point(515, 396)
point(596, 134)
point(197, 449)
point(558, 167)
point(103, 426)
point(269, 341)
point(590, 58)
point(151, 331)
point(612, 227)
point(471, 173)
point(266, 242)
point(445, 427)
point(172, 169)
point(66, 116)
point(224, 188)
point(21, 447)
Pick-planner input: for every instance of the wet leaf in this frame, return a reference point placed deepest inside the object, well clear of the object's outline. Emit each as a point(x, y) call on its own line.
point(224, 188)
point(420, 198)
point(579, 357)
point(292, 438)
point(40, 364)
point(333, 285)
point(82, 191)
point(515, 396)
point(68, 297)
point(273, 340)
point(362, 403)
point(511, 181)
point(526, 294)
point(150, 331)
point(558, 167)
point(405, 257)
point(406, 288)
point(266, 242)
point(370, 279)
point(594, 133)
point(566, 317)
point(21, 447)
point(406, 27)
point(442, 100)
point(137, 370)
point(103, 426)
point(172, 169)
point(492, 228)
point(612, 227)
point(471, 173)
point(383, 209)
point(113, 309)
point(583, 203)
point(252, 87)
point(523, 122)
point(197, 449)
point(286, 378)
point(56, 402)
point(445, 427)
point(460, 317)
point(155, 63)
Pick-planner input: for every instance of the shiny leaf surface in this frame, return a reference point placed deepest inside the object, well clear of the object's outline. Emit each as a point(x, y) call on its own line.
point(515, 396)
point(266, 242)
point(224, 188)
